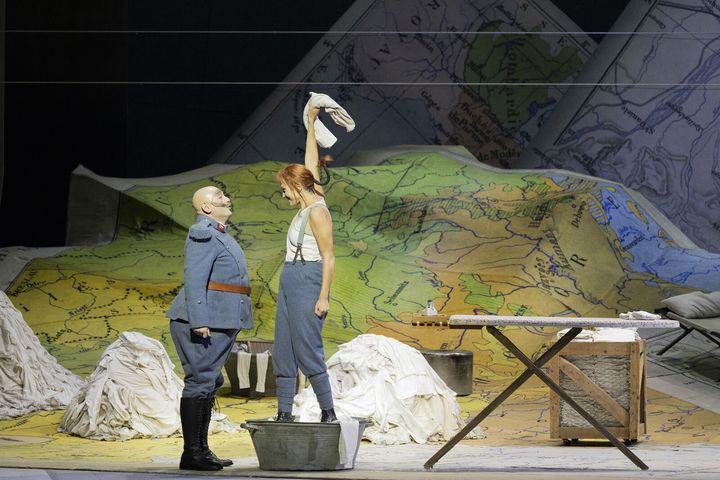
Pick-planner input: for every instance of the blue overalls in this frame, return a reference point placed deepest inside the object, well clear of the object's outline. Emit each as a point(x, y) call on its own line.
point(298, 331)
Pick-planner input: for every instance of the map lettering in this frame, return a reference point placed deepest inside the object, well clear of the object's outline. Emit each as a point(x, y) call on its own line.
point(550, 235)
point(578, 215)
point(637, 240)
point(577, 259)
point(641, 123)
point(424, 42)
point(679, 111)
point(538, 215)
point(399, 290)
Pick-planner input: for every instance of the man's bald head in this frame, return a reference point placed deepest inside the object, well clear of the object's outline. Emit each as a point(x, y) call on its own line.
point(212, 202)
point(203, 196)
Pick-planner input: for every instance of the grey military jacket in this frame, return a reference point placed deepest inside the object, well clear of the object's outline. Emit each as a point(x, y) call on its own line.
point(212, 254)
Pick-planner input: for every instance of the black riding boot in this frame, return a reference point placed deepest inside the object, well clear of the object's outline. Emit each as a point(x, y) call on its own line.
point(191, 416)
point(207, 416)
point(328, 416)
point(285, 417)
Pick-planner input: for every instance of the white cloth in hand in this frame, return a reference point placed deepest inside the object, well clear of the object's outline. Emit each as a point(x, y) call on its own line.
point(324, 137)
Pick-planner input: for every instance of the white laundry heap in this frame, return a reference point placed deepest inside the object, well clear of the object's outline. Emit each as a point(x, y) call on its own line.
point(391, 385)
point(133, 392)
point(30, 378)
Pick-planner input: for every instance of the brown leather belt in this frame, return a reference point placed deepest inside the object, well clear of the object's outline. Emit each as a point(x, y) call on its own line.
point(228, 287)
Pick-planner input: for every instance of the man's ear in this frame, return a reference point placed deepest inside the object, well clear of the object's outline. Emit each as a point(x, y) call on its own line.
point(206, 209)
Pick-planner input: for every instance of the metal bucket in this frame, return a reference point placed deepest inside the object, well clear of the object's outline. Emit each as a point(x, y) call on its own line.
point(299, 445)
point(455, 367)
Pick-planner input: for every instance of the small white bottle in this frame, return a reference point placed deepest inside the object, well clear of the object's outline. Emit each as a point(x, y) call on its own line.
point(430, 309)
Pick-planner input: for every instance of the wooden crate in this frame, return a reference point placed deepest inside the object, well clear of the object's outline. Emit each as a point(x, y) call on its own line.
point(607, 379)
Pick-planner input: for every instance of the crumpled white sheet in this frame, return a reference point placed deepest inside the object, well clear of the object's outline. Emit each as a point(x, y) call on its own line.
point(391, 385)
point(133, 392)
point(604, 334)
point(30, 378)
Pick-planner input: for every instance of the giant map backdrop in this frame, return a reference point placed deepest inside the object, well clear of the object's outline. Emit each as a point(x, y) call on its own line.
point(416, 226)
point(427, 224)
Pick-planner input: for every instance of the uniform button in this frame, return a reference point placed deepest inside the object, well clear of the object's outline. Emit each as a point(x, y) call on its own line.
point(199, 301)
point(242, 301)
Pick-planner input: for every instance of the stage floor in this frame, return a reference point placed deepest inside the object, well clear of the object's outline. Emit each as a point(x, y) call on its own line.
point(683, 439)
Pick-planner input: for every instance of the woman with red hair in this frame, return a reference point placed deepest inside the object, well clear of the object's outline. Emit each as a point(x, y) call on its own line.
point(304, 294)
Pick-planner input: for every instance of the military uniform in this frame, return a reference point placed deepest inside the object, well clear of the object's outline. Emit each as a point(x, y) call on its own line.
point(216, 295)
point(211, 256)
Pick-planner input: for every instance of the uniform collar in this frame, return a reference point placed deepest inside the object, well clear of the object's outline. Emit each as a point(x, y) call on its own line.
point(212, 223)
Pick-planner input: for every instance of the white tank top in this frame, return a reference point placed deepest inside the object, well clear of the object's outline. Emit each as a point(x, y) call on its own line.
point(310, 250)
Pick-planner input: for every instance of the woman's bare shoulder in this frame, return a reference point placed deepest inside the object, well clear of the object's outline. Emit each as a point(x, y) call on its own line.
point(319, 213)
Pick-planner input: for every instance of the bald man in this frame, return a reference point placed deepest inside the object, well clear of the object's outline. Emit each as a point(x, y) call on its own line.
point(208, 312)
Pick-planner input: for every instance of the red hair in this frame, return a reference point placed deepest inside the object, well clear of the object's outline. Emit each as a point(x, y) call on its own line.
point(300, 178)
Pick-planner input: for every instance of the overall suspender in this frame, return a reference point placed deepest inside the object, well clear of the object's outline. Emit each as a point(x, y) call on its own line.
point(301, 233)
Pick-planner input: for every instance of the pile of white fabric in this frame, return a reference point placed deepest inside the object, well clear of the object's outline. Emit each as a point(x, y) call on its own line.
point(30, 378)
point(391, 385)
point(133, 392)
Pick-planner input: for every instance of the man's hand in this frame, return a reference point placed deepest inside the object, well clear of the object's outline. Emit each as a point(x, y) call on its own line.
point(322, 306)
point(202, 331)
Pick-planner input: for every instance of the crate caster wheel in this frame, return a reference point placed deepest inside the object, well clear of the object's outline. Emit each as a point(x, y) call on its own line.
point(570, 441)
point(630, 441)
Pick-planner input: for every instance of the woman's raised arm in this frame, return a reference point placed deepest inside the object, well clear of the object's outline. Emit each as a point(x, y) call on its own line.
point(311, 149)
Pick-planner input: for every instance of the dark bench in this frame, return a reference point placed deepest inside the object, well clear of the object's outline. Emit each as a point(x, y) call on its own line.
point(708, 327)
